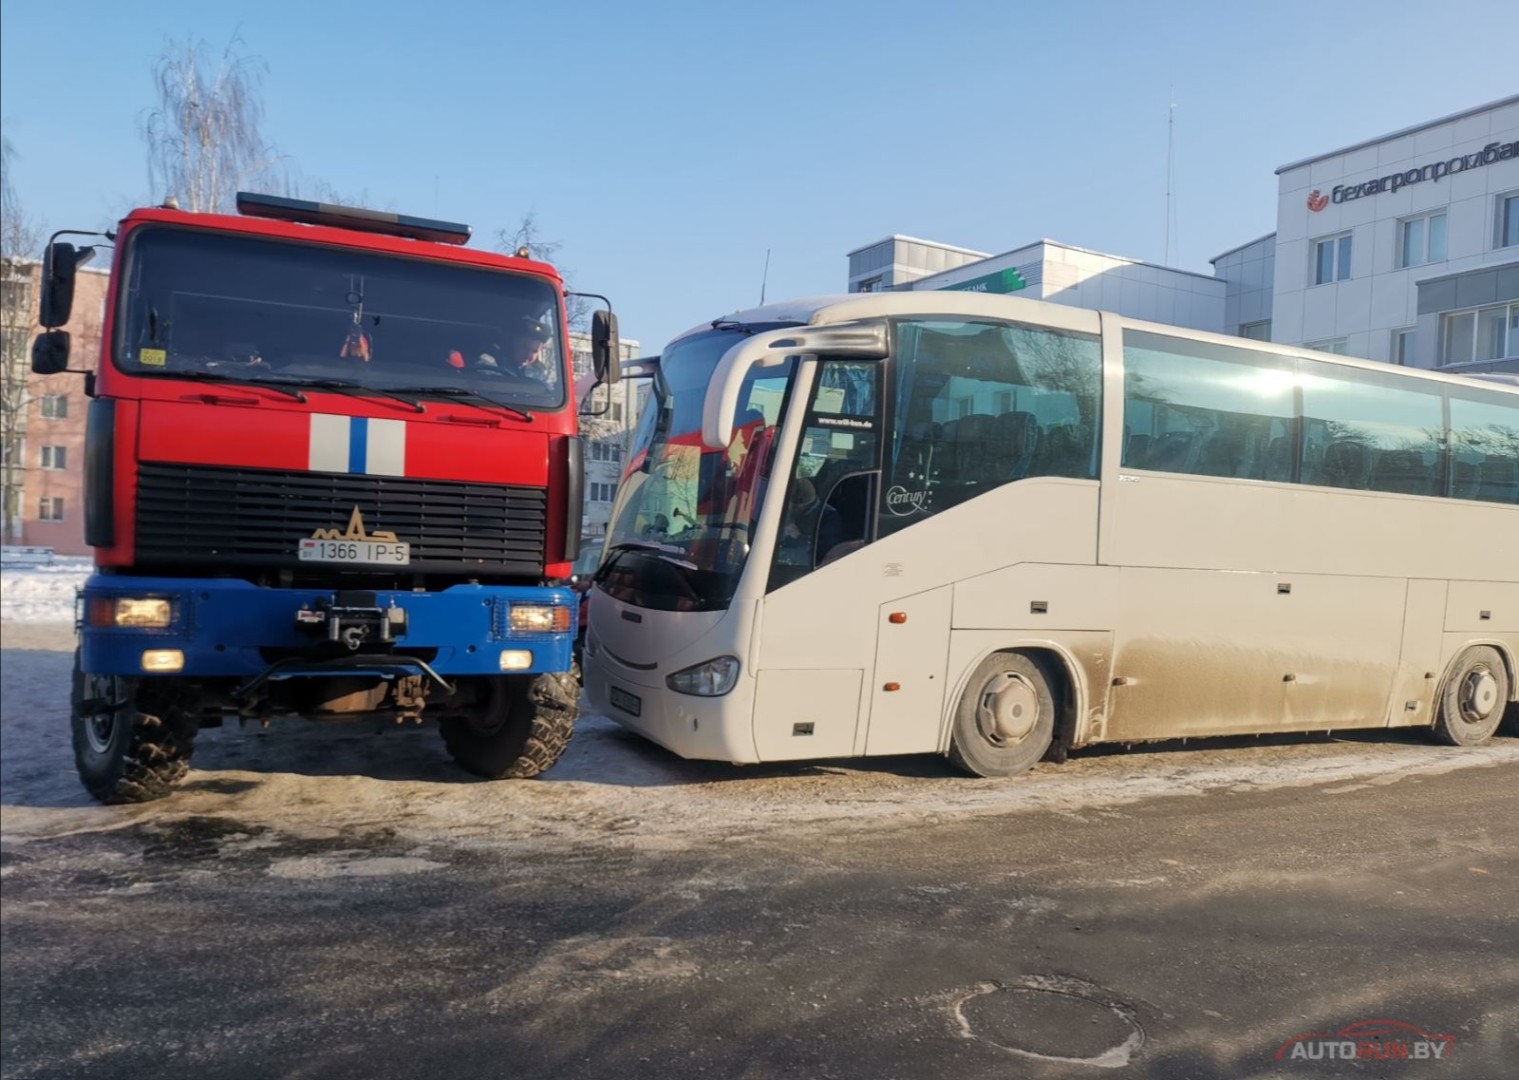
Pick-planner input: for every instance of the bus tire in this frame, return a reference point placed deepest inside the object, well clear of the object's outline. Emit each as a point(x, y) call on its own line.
point(1005, 720)
point(1473, 698)
point(125, 755)
point(519, 729)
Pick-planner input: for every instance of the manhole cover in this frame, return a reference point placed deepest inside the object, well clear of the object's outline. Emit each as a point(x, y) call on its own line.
point(1051, 1018)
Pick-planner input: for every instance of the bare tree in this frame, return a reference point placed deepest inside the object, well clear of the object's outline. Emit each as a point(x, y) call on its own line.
point(204, 137)
point(528, 235)
point(19, 241)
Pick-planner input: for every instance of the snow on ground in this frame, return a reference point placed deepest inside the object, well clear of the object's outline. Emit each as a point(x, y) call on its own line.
point(612, 789)
point(42, 593)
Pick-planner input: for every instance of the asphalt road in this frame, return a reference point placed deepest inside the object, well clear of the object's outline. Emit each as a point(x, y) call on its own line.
point(1170, 936)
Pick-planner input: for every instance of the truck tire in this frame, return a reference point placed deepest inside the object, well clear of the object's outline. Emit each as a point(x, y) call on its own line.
point(125, 755)
point(519, 730)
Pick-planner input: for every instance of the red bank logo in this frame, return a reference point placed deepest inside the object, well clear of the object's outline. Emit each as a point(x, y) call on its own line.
point(1317, 200)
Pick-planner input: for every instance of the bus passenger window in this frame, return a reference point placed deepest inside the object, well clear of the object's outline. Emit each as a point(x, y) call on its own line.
point(983, 404)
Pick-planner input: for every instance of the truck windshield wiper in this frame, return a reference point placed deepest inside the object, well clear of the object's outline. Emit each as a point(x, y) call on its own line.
point(463, 393)
point(222, 377)
point(355, 389)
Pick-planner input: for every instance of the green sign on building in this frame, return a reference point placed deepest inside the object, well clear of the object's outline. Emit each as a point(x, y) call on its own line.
point(1003, 281)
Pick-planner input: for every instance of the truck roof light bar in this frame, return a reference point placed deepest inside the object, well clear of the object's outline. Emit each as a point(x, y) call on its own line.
point(351, 217)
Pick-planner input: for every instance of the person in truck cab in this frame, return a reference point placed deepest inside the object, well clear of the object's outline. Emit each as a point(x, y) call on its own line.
point(524, 356)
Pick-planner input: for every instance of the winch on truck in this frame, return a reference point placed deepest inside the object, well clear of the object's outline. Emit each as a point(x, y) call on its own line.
point(332, 468)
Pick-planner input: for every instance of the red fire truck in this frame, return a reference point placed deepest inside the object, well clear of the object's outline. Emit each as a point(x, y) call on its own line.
point(332, 470)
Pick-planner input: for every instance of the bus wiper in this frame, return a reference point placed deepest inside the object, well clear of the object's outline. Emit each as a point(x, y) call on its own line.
point(223, 377)
point(355, 389)
point(464, 393)
point(645, 545)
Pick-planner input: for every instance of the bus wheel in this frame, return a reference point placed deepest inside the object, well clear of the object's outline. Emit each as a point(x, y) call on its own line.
point(123, 754)
point(517, 729)
point(1473, 699)
point(1006, 718)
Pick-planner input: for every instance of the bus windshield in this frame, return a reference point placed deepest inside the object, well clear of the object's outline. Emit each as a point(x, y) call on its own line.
point(681, 525)
point(212, 305)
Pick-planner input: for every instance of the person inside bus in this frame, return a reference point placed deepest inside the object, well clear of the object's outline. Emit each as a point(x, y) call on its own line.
point(811, 526)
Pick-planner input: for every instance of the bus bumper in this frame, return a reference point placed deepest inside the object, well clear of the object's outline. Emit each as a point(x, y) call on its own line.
point(229, 628)
point(703, 728)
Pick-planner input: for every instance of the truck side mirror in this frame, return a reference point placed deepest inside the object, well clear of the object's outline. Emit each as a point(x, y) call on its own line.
point(606, 352)
point(50, 352)
point(60, 264)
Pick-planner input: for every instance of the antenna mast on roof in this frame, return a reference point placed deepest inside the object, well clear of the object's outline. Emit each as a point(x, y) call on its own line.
point(764, 277)
point(1170, 169)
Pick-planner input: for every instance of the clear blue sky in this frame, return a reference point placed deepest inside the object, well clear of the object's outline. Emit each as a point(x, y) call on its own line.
point(666, 145)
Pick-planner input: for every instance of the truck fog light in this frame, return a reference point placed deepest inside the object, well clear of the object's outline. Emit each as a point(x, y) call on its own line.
point(516, 659)
point(543, 618)
point(163, 660)
point(714, 678)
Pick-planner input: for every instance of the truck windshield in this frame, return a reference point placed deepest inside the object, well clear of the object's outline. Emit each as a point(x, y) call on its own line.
point(681, 524)
point(201, 304)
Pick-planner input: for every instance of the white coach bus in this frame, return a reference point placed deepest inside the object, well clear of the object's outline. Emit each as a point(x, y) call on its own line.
point(998, 529)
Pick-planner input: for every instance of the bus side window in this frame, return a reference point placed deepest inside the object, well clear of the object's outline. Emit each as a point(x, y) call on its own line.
point(984, 404)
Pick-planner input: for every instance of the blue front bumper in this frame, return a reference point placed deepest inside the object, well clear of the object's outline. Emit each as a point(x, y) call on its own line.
point(233, 628)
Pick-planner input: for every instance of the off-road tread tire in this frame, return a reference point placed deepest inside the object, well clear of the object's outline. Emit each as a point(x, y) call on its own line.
point(534, 736)
point(1448, 727)
point(156, 758)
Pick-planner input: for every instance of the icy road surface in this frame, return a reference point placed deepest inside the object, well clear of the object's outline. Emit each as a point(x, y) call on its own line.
point(614, 789)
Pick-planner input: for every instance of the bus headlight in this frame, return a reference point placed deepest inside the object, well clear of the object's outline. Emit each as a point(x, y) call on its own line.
point(714, 678)
point(542, 618)
point(133, 613)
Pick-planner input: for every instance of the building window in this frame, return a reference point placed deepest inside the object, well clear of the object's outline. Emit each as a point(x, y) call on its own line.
point(1421, 239)
point(55, 457)
point(869, 285)
point(1489, 333)
point(50, 509)
point(1508, 219)
point(1331, 259)
point(1256, 331)
point(617, 412)
point(1334, 345)
point(1403, 347)
point(55, 406)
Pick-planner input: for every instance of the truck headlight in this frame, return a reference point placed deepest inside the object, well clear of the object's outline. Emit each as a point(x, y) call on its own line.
point(540, 618)
point(713, 678)
point(130, 612)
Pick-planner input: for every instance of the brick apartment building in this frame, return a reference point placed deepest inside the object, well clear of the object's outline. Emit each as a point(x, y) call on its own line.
point(46, 507)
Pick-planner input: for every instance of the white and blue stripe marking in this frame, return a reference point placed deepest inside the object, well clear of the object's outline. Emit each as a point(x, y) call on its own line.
point(357, 444)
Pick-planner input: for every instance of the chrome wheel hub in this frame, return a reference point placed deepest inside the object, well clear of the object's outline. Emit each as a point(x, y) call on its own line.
point(1008, 710)
point(1478, 696)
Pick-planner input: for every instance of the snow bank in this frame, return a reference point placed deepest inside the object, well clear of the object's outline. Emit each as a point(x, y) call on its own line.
point(41, 593)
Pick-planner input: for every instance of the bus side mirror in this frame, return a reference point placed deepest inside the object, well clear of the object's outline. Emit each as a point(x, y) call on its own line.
point(60, 264)
point(606, 352)
point(50, 352)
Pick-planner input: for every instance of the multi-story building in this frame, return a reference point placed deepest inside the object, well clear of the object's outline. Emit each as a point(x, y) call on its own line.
point(606, 429)
point(1403, 248)
point(44, 417)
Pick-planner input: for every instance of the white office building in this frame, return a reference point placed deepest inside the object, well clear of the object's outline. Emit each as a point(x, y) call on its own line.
point(1404, 248)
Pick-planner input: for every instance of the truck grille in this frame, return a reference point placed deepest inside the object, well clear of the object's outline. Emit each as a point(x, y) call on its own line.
point(202, 514)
